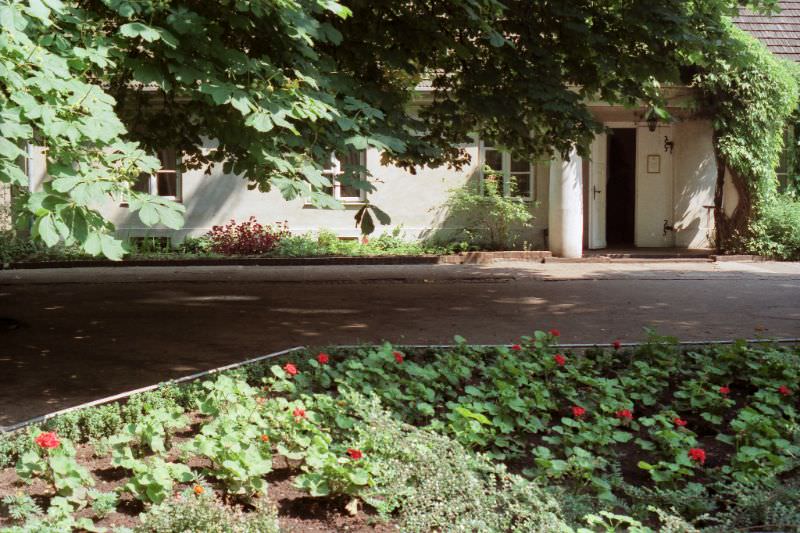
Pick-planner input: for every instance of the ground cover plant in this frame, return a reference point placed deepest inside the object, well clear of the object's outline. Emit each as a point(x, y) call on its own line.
point(522, 438)
point(239, 239)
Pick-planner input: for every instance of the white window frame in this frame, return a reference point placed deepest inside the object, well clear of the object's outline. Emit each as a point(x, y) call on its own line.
point(152, 181)
point(506, 172)
point(337, 170)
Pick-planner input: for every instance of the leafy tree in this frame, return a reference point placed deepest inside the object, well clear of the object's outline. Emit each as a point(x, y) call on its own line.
point(281, 84)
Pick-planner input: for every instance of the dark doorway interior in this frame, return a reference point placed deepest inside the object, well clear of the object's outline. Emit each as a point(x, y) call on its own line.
point(621, 187)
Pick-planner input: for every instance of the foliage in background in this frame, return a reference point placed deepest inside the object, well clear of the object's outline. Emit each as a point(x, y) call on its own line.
point(49, 99)
point(750, 95)
point(496, 217)
point(282, 85)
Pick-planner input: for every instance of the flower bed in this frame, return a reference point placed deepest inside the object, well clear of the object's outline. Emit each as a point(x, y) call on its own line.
point(526, 438)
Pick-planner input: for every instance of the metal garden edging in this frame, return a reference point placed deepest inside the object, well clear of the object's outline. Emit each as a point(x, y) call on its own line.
point(121, 395)
point(192, 377)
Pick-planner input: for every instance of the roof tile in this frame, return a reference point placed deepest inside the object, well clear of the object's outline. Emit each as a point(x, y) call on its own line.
point(780, 32)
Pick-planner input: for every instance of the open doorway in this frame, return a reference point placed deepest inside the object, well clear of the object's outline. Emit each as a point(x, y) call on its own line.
point(621, 187)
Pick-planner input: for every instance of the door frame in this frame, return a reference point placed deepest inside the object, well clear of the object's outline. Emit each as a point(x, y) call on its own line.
point(598, 178)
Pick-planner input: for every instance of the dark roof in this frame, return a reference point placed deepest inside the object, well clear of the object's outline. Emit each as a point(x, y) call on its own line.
point(780, 32)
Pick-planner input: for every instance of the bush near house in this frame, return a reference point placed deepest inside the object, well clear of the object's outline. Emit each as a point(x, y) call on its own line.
point(526, 438)
point(779, 229)
point(494, 219)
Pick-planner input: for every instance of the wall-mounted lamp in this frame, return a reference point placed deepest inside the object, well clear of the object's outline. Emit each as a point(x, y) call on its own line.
point(668, 145)
point(652, 120)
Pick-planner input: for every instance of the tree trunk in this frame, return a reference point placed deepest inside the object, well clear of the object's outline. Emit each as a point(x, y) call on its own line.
point(731, 231)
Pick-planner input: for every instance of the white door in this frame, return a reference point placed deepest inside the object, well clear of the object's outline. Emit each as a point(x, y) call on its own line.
point(597, 192)
point(654, 187)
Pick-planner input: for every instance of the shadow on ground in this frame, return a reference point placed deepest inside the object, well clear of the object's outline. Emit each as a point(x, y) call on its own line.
point(65, 343)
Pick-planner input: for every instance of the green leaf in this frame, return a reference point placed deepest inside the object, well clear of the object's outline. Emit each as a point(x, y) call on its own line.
point(137, 29)
point(37, 9)
point(46, 229)
point(148, 214)
point(359, 477)
point(111, 247)
point(260, 120)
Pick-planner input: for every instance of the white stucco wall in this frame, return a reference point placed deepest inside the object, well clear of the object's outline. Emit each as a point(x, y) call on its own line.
point(414, 201)
point(695, 171)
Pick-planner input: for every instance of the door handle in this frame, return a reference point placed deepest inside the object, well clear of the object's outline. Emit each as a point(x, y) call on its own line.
point(595, 191)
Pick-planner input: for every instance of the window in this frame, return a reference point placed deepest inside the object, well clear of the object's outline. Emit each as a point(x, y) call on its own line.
point(518, 174)
point(337, 166)
point(786, 162)
point(166, 181)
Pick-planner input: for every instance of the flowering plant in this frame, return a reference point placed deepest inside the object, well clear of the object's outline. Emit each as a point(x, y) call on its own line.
point(246, 238)
point(53, 459)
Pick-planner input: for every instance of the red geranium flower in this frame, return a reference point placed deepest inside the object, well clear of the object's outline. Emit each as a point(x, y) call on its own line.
point(398, 356)
point(290, 369)
point(299, 413)
point(578, 411)
point(323, 358)
point(264, 438)
point(560, 359)
point(625, 414)
point(354, 454)
point(47, 440)
point(679, 422)
point(697, 455)
point(724, 390)
point(199, 490)
point(516, 347)
point(786, 391)
point(616, 344)
point(554, 332)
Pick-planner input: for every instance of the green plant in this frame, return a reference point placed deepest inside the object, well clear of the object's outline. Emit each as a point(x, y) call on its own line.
point(328, 472)
point(207, 513)
point(54, 461)
point(487, 209)
point(153, 478)
point(58, 518)
point(780, 224)
point(151, 434)
point(103, 503)
point(21, 506)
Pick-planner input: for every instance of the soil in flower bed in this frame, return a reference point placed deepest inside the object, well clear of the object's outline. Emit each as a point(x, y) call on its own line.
point(297, 511)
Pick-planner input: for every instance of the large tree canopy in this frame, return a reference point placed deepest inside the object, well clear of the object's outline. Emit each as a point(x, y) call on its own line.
point(281, 84)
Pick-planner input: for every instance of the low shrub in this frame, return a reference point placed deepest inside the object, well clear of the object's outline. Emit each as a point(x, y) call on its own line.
point(246, 238)
point(432, 483)
point(779, 229)
point(191, 512)
point(495, 217)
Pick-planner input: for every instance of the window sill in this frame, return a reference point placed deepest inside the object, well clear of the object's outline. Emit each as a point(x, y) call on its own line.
point(348, 204)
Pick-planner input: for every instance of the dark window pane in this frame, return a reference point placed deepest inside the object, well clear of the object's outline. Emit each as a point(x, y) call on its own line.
point(494, 159)
point(142, 184)
point(351, 158)
point(348, 191)
point(520, 165)
point(167, 183)
point(520, 185)
point(168, 158)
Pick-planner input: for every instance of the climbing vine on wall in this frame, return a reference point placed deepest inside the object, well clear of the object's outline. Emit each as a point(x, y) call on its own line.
point(750, 95)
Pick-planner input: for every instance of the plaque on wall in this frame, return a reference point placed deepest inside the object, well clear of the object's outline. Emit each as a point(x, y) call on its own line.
point(653, 164)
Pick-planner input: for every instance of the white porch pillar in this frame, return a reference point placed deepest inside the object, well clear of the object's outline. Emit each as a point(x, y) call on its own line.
point(565, 212)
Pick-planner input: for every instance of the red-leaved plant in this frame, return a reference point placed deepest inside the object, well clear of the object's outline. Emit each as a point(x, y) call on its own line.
point(246, 238)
